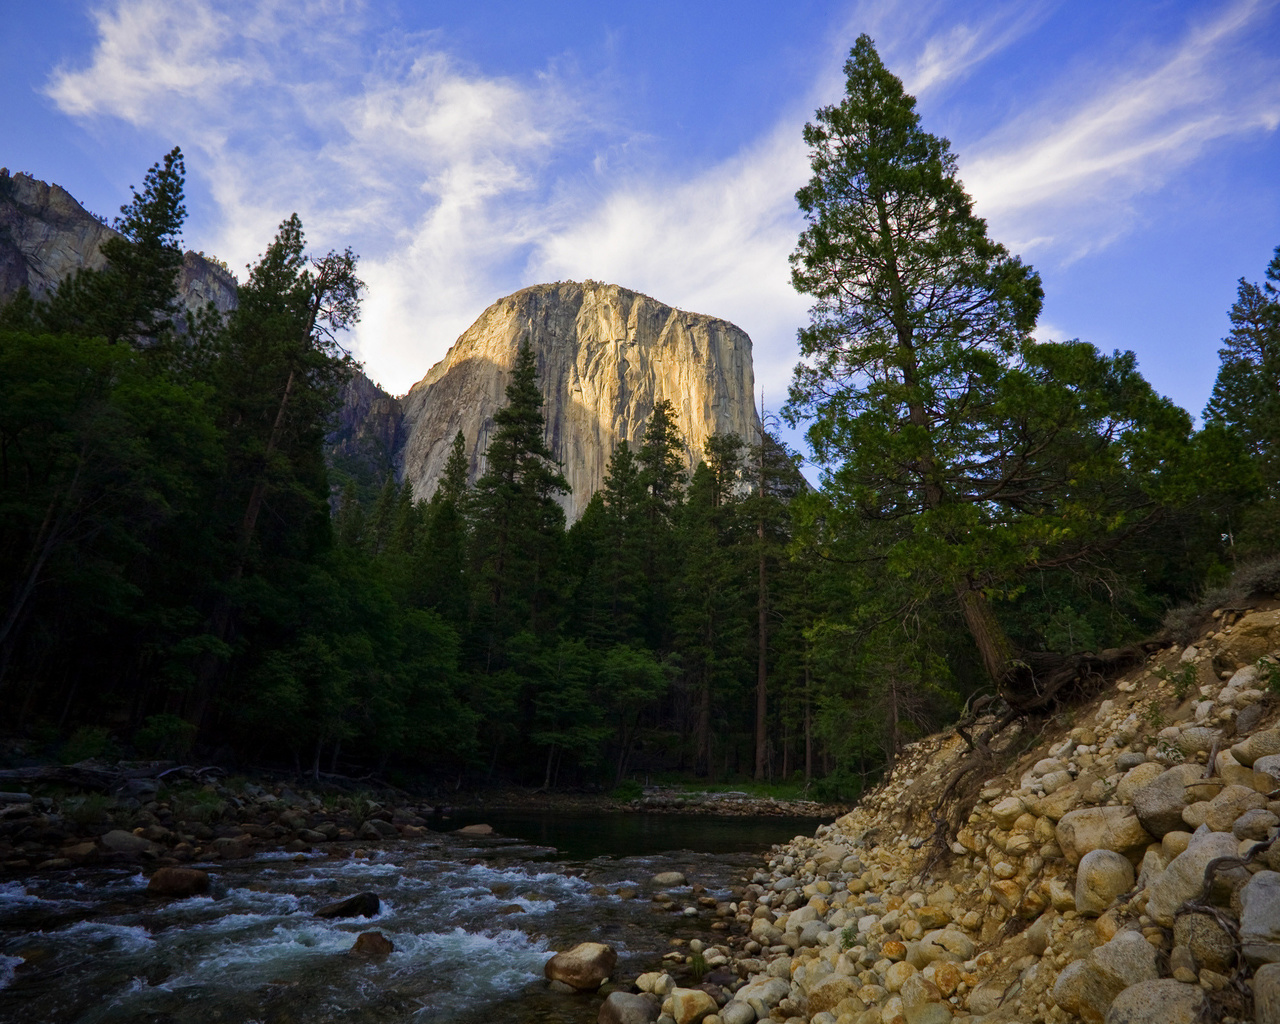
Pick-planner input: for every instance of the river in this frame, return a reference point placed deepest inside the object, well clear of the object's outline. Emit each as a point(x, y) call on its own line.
point(473, 920)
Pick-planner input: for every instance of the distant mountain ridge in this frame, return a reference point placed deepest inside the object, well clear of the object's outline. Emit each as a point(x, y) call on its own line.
point(45, 235)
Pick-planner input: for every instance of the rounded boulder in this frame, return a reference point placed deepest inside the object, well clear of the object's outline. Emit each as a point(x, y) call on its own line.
point(584, 967)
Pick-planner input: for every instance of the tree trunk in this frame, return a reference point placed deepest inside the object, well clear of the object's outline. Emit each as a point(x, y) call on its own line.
point(993, 645)
point(808, 730)
point(704, 726)
point(762, 651)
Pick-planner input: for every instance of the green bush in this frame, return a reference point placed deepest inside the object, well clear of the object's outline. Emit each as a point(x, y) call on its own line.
point(197, 805)
point(627, 790)
point(165, 736)
point(93, 809)
point(87, 742)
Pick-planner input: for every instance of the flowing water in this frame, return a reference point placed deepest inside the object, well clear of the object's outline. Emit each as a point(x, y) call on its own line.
point(473, 921)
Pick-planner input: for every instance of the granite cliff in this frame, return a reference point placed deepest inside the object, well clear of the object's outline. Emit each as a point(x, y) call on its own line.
point(45, 235)
point(605, 356)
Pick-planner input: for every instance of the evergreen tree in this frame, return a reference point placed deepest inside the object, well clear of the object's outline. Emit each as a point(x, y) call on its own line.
point(930, 404)
point(135, 298)
point(520, 524)
point(660, 479)
point(1246, 396)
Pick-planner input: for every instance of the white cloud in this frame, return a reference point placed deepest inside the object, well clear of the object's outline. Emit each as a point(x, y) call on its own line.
point(1063, 176)
point(458, 187)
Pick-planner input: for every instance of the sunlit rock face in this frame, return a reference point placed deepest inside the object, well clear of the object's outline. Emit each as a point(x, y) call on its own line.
point(45, 235)
point(605, 356)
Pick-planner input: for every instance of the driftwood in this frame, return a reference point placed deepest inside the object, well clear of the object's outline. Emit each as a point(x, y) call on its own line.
point(86, 775)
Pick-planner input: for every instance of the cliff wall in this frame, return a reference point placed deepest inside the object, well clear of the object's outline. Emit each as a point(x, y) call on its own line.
point(605, 356)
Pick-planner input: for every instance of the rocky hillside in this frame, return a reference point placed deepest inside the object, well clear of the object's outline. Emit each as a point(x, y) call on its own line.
point(1119, 868)
point(605, 356)
point(45, 235)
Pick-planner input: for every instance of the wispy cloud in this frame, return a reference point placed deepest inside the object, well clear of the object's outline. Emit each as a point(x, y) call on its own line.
point(458, 187)
point(1063, 175)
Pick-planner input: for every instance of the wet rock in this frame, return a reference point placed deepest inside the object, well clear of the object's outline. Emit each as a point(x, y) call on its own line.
point(1206, 940)
point(375, 829)
point(668, 879)
point(1100, 828)
point(1162, 1001)
point(476, 830)
point(631, 1008)
point(1101, 877)
point(1260, 918)
point(120, 841)
point(366, 904)
point(230, 847)
point(372, 944)
point(584, 967)
point(181, 882)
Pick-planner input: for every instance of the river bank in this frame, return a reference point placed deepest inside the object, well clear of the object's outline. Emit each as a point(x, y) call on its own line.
point(171, 816)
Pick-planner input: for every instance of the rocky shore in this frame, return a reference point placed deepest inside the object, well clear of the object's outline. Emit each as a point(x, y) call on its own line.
point(1120, 869)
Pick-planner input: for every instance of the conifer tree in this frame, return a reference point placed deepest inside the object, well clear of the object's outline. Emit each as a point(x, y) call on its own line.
point(519, 523)
point(930, 403)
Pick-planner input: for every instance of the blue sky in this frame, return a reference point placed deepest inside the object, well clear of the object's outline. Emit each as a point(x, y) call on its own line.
point(1129, 151)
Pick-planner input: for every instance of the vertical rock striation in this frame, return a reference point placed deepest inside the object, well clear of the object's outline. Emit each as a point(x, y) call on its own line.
point(605, 356)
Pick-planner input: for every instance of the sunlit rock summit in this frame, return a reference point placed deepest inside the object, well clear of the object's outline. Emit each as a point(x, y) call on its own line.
point(605, 356)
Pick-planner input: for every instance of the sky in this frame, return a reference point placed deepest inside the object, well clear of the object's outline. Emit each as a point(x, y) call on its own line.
point(1130, 152)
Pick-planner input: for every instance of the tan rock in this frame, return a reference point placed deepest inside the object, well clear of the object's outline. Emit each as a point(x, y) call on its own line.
point(1230, 804)
point(605, 356)
point(583, 967)
point(691, 1005)
point(1100, 828)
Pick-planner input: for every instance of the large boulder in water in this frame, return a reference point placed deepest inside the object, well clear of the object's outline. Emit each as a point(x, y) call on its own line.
point(372, 944)
point(584, 967)
point(366, 904)
point(171, 881)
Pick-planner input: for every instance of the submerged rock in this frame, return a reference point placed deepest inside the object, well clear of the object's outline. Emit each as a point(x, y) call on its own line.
point(366, 904)
point(170, 881)
point(372, 944)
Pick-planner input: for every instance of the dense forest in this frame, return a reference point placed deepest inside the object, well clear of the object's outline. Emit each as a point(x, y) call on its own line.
point(181, 572)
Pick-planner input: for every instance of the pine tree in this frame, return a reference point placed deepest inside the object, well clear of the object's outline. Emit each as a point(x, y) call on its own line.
point(933, 409)
point(519, 523)
point(660, 478)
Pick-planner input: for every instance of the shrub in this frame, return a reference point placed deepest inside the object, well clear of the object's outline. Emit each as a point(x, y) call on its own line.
point(165, 736)
point(627, 790)
point(87, 742)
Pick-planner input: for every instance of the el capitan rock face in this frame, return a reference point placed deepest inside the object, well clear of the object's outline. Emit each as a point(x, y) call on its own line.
point(605, 356)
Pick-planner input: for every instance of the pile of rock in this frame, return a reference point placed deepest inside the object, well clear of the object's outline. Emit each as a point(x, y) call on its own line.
point(1121, 870)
